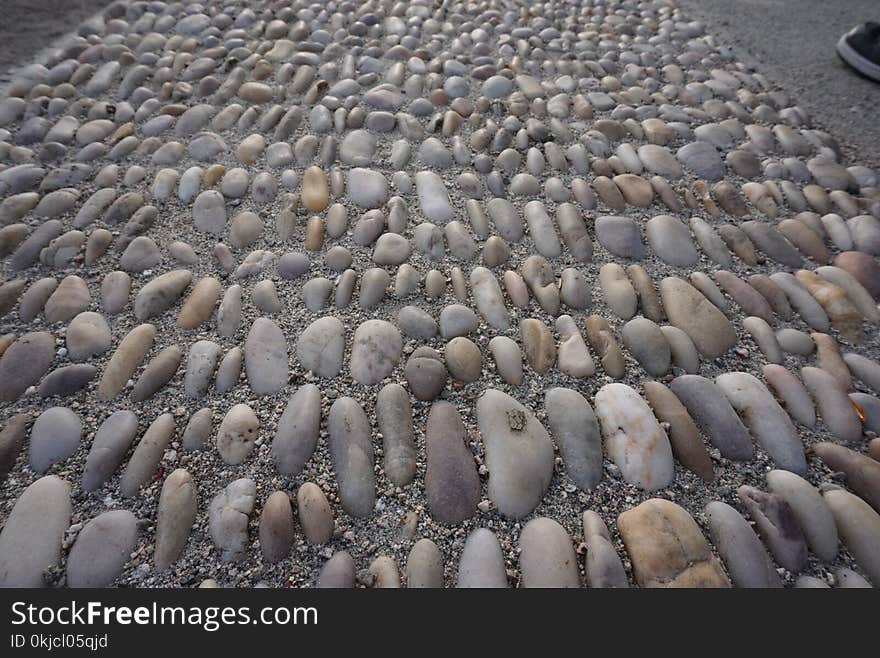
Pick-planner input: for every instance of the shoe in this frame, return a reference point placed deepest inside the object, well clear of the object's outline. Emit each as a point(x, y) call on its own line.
point(860, 48)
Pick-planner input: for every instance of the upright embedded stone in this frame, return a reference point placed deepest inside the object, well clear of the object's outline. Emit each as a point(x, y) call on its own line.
point(452, 485)
point(338, 572)
point(109, 446)
point(55, 436)
point(862, 472)
point(11, 440)
point(199, 306)
point(161, 293)
point(667, 548)
point(276, 527)
point(710, 408)
point(320, 347)
point(351, 450)
point(482, 562)
point(141, 468)
point(101, 549)
point(177, 513)
point(209, 212)
point(602, 565)
point(265, 357)
point(701, 320)
point(743, 553)
point(547, 557)
point(70, 298)
point(367, 188)
point(87, 335)
point(125, 360)
point(424, 567)
point(858, 526)
point(394, 415)
point(809, 508)
point(228, 517)
point(297, 433)
point(30, 542)
point(200, 365)
point(634, 439)
point(519, 453)
point(684, 437)
point(24, 362)
point(315, 193)
point(766, 420)
point(433, 197)
point(375, 351)
point(489, 299)
point(237, 434)
point(315, 515)
point(158, 372)
point(778, 526)
point(574, 427)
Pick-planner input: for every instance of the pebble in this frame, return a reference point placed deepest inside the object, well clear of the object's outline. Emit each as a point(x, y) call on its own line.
point(30, 541)
point(351, 451)
point(603, 341)
point(128, 356)
point(12, 438)
point(228, 517)
point(862, 473)
point(142, 466)
point(433, 197)
point(691, 312)
point(266, 357)
point(620, 236)
point(710, 408)
point(667, 548)
point(538, 345)
point(482, 562)
point(809, 508)
point(648, 344)
point(834, 407)
point(684, 437)
point(338, 572)
point(70, 298)
point(743, 553)
point(519, 453)
point(574, 427)
point(859, 528)
point(297, 432)
point(452, 485)
point(547, 558)
point(276, 527)
point(102, 549)
point(425, 373)
point(315, 516)
point(375, 352)
point(158, 372)
point(237, 434)
point(766, 420)
point(394, 416)
point(574, 358)
point(160, 293)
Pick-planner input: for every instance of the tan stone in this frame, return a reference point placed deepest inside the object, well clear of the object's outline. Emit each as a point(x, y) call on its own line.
point(667, 548)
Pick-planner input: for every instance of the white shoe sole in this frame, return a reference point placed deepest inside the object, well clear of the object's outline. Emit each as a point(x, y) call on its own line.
point(859, 63)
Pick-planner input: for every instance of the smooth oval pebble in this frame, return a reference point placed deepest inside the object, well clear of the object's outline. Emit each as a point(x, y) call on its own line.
point(519, 453)
point(351, 451)
point(547, 558)
point(102, 549)
point(30, 541)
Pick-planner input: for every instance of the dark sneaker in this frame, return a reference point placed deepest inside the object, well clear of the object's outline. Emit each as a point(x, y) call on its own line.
point(860, 48)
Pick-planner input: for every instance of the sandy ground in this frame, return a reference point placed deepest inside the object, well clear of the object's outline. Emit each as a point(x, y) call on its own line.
point(792, 42)
point(28, 26)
